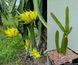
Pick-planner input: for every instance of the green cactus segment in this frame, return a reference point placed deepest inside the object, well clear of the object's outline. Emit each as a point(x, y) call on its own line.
point(64, 45)
point(66, 31)
point(62, 42)
point(57, 40)
point(70, 30)
point(58, 22)
point(67, 20)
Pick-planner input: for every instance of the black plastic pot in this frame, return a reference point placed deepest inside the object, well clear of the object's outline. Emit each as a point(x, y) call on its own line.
point(74, 61)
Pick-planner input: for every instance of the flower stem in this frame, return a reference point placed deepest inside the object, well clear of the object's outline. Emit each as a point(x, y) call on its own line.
point(32, 38)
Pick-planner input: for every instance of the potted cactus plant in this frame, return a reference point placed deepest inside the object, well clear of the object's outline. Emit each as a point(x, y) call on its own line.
point(62, 54)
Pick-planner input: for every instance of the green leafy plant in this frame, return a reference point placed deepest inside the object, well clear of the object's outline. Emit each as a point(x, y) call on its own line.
point(66, 30)
point(14, 25)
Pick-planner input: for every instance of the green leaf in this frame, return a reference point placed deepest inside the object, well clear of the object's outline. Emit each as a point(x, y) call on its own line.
point(32, 38)
point(32, 35)
point(67, 20)
point(36, 8)
point(7, 5)
point(21, 5)
point(7, 21)
point(37, 33)
point(58, 22)
point(14, 9)
point(57, 40)
point(45, 52)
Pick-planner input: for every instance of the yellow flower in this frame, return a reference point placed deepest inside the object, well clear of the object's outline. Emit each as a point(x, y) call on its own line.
point(11, 32)
point(28, 16)
point(35, 54)
point(27, 44)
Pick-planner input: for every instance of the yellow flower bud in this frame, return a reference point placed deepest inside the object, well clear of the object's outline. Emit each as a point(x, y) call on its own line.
point(27, 44)
point(28, 16)
point(35, 54)
point(11, 32)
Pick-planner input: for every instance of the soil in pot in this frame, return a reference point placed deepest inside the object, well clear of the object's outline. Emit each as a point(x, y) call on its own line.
point(60, 59)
